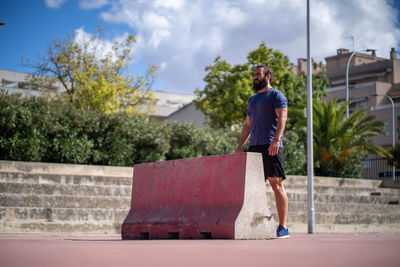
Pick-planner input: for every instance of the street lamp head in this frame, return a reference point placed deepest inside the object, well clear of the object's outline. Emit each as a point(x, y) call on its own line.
point(2, 23)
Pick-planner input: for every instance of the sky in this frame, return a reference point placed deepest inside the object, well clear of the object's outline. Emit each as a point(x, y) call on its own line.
point(185, 36)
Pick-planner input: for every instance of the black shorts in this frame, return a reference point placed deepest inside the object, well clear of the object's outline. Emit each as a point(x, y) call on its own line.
point(273, 165)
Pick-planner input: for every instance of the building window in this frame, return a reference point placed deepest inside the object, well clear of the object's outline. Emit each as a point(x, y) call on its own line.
point(363, 105)
point(11, 85)
point(386, 128)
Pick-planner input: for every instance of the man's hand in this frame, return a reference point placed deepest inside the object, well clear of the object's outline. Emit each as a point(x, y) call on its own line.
point(244, 135)
point(273, 148)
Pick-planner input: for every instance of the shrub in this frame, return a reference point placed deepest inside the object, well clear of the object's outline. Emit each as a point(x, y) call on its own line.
point(37, 130)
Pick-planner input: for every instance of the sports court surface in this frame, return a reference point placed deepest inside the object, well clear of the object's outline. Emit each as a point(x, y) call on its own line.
point(300, 250)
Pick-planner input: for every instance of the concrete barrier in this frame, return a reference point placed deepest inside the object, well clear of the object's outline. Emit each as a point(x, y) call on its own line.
point(208, 197)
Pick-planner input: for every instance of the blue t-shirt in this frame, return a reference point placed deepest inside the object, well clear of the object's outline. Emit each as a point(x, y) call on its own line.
point(261, 109)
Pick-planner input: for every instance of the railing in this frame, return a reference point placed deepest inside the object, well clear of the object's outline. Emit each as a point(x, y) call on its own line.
point(351, 86)
point(378, 168)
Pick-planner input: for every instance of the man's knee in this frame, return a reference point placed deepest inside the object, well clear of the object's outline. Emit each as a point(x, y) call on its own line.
point(276, 183)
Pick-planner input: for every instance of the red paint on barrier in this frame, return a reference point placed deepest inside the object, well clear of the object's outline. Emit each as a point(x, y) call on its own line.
point(192, 198)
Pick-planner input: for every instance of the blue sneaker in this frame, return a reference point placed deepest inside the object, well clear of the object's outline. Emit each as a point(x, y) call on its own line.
point(282, 232)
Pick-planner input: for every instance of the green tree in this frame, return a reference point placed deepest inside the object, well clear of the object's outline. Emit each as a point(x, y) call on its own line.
point(228, 88)
point(90, 77)
point(339, 142)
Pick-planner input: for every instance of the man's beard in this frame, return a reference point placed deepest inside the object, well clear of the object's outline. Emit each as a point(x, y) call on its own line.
point(260, 85)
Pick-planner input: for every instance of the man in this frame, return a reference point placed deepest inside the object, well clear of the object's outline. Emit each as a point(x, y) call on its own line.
point(265, 123)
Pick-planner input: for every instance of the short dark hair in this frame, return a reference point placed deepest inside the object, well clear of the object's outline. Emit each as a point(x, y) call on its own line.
point(267, 70)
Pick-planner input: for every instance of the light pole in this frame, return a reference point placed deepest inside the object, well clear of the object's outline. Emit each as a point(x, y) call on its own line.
point(310, 151)
point(347, 75)
point(393, 132)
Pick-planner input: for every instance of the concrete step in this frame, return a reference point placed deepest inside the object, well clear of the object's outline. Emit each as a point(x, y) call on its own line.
point(345, 228)
point(292, 182)
point(349, 208)
point(12, 214)
point(340, 218)
point(111, 198)
point(343, 190)
point(297, 222)
point(63, 189)
point(119, 214)
point(69, 169)
point(125, 190)
point(58, 228)
point(334, 182)
point(98, 227)
point(68, 179)
point(338, 198)
point(63, 201)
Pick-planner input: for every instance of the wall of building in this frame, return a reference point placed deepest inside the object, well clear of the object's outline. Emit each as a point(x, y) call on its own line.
point(189, 114)
point(368, 76)
point(7, 77)
point(396, 71)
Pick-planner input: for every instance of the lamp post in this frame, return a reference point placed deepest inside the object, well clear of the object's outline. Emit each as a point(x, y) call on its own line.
point(310, 152)
point(347, 75)
point(393, 131)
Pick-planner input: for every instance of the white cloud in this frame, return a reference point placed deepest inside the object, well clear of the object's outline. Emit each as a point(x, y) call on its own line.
point(92, 4)
point(100, 47)
point(84, 4)
point(174, 4)
point(186, 36)
point(153, 21)
point(54, 3)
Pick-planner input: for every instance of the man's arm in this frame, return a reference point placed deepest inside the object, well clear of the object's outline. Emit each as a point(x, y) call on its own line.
point(281, 113)
point(245, 134)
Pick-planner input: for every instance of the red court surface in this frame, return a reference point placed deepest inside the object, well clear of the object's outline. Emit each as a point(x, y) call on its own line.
point(299, 250)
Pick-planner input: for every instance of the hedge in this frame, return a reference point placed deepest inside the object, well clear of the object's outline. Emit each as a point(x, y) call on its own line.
point(34, 129)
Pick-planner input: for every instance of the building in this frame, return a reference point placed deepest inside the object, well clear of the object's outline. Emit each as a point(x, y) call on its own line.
point(167, 104)
point(301, 67)
point(189, 114)
point(373, 81)
point(370, 79)
point(15, 82)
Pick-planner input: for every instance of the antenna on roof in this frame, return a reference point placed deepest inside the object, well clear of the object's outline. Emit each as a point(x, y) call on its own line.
point(354, 42)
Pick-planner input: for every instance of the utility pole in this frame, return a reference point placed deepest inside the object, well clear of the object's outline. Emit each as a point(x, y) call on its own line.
point(310, 152)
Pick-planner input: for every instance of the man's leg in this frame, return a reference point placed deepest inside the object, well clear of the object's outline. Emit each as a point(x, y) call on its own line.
point(280, 199)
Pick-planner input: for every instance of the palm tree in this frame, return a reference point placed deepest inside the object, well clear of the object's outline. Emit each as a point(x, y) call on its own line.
point(339, 142)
